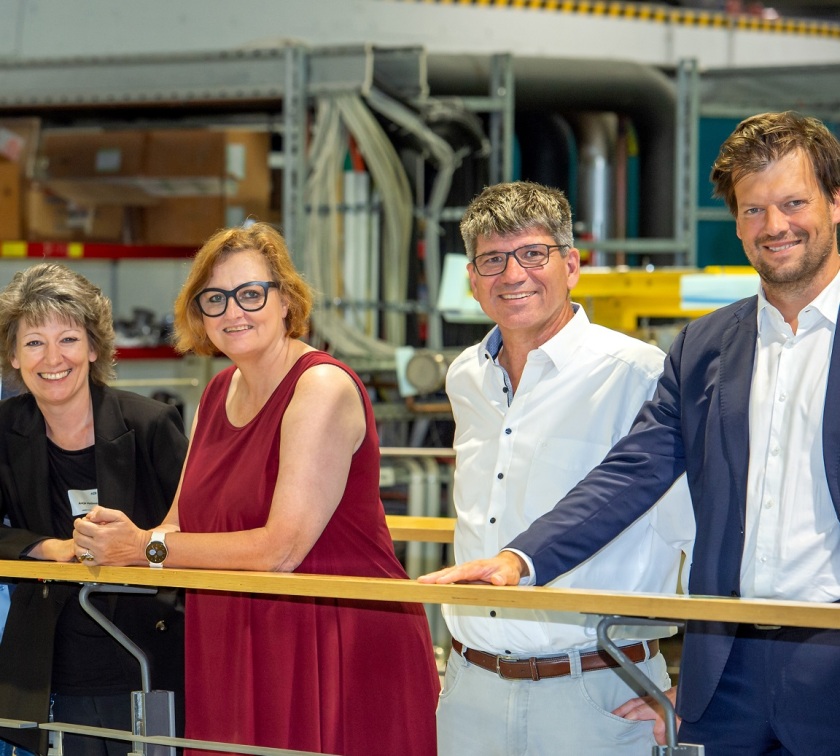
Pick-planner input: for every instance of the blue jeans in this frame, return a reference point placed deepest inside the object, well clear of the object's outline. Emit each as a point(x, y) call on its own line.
point(7, 749)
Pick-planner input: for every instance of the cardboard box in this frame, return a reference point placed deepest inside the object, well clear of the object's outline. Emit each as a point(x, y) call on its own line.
point(91, 154)
point(19, 142)
point(186, 183)
point(93, 167)
point(11, 228)
point(249, 176)
point(53, 218)
point(187, 221)
point(242, 159)
point(184, 153)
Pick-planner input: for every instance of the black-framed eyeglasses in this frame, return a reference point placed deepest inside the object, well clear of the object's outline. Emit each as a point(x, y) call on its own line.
point(529, 256)
point(250, 296)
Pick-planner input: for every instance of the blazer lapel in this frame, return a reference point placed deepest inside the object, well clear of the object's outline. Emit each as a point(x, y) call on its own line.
point(116, 473)
point(737, 357)
point(27, 444)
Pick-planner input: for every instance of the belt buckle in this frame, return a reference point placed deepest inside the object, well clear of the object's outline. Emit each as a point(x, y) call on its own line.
point(767, 627)
point(499, 660)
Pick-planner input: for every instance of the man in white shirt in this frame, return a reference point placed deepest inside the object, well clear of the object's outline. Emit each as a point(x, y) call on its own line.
point(537, 405)
point(748, 407)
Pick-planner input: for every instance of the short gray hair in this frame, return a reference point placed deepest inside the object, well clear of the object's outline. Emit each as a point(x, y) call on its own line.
point(50, 290)
point(517, 206)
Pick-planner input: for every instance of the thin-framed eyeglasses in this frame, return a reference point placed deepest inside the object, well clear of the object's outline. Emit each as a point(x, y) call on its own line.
point(250, 296)
point(529, 256)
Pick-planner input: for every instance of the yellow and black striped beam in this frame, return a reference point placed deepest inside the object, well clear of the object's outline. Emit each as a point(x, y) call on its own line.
point(661, 14)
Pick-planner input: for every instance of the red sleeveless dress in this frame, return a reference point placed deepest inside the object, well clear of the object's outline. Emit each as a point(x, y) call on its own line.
point(323, 675)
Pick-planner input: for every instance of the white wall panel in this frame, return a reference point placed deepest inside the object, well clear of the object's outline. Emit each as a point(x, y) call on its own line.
point(11, 17)
point(61, 28)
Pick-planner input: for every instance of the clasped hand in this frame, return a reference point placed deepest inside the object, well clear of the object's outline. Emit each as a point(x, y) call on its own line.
point(108, 537)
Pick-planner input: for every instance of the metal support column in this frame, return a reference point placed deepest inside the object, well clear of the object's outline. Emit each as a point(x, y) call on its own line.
point(686, 162)
point(501, 118)
point(294, 145)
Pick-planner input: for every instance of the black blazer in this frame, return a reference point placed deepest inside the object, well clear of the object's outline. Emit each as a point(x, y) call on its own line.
point(697, 422)
point(139, 450)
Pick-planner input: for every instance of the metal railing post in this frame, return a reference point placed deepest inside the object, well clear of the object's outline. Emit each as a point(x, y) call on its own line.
point(152, 711)
point(645, 683)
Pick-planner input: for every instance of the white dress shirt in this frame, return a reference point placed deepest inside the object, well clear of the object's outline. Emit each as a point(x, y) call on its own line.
point(792, 537)
point(518, 455)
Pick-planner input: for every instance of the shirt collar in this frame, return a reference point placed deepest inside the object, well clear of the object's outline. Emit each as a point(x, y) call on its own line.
point(557, 348)
point(827, 303)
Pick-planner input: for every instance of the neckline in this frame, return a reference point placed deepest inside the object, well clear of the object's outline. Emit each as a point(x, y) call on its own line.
point(293, 370)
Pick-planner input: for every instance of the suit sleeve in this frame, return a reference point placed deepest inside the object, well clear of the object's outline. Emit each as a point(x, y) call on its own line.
point(636, 472)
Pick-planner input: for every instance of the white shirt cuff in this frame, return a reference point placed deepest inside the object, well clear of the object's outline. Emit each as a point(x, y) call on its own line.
point(530, 578)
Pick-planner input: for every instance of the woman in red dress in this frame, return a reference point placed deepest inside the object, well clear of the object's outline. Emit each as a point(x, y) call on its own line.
point(282, 474)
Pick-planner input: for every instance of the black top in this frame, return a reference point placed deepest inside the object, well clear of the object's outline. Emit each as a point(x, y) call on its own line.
point(139, 448)
point(86, 660)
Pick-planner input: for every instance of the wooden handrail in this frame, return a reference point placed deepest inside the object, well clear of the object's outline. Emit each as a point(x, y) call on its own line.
point(428, 529)
point(759, 611)
point(418, 451)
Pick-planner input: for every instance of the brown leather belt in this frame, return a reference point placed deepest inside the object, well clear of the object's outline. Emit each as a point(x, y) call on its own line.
point(538, 668)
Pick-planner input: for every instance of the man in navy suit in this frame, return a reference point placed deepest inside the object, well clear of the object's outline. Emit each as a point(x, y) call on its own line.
point(748, 407)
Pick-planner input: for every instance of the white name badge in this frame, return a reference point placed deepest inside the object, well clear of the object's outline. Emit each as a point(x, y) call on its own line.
point(81, 502)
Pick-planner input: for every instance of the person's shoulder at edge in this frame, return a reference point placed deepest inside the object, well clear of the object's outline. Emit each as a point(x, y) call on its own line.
point(636, 353)
point(323, 383)
point(632, 349)
point(721, 313)
point(10, 406)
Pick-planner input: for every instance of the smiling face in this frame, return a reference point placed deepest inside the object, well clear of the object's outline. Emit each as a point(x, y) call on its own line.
point(238, 332)
point(54, 361)
point(531, 304)
point(787, 227)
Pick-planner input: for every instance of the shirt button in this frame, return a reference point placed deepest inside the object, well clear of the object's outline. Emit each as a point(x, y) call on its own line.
point(508, 431)
point(782, 397)
point(500, 476)
point(775, 451)
point(768, 504)
point(492, 520)
point(493, 614)
point(505, 389)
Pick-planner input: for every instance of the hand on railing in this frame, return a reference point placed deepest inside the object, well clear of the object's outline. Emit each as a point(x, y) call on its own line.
point(506, 568)
point(108, 537)
point(53, 550)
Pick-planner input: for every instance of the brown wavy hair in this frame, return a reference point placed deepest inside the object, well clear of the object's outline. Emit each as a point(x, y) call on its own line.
point(763, 139)
point(189, 332)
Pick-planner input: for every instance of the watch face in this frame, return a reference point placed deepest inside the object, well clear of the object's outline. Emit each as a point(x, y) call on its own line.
point(156, 552)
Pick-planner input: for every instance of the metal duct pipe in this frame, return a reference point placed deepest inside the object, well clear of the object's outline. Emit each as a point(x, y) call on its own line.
point(595, 210)
point(642, 93)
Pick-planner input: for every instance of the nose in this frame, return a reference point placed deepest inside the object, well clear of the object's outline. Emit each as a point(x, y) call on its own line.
point(775, 221)
point(53, 352)
point(233, 307)
point(513, 270)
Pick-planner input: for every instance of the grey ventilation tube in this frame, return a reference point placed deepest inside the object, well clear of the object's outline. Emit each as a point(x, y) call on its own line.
point(642, 93)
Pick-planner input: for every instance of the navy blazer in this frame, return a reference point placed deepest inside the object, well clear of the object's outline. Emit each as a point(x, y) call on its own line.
point(697, 422)
point(139, 450)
